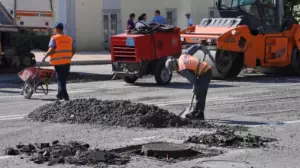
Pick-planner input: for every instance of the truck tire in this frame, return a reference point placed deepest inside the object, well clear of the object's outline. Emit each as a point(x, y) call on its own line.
point(130, 79)
point(162, 76)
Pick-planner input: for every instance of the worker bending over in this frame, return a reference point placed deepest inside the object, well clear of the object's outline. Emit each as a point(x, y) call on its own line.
point(61, 51)
point(196, 72)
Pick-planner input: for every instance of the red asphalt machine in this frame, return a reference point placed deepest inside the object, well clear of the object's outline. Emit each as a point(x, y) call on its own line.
point(144, 51)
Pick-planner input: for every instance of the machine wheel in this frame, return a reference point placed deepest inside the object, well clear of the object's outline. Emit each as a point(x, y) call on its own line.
point(229, 64)
point(162, 76)
point(130, 79)
point(28, 91)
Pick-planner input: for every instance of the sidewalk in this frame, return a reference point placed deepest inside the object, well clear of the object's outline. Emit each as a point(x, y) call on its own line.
point(81, 58)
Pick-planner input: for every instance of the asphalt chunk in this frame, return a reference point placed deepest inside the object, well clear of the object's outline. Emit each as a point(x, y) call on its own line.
point(75, 153)
point(111, 113)
point(228, 138)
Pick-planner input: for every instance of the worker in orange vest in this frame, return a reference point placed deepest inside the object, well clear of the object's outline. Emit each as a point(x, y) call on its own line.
point(61, 50)
point(196, 72)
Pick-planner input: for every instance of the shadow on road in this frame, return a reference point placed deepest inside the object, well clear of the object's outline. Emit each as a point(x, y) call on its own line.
point(45, 99)
point(268, 79)
point(180, 85)
point(247, 123)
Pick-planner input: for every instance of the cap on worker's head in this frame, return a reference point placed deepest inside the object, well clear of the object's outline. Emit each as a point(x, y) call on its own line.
point(58, 25)
point(187, 14)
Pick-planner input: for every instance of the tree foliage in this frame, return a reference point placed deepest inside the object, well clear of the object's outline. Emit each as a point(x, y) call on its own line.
point(292, 8)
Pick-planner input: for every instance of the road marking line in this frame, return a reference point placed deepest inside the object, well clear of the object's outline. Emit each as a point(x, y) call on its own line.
point(292, 122)
point(6, 157)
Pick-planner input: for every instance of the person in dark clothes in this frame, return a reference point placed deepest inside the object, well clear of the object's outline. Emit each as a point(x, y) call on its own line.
point(61, 50)
point(130, 22)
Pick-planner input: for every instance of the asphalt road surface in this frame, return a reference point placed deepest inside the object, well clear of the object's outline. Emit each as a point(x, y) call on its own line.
point(269, 105)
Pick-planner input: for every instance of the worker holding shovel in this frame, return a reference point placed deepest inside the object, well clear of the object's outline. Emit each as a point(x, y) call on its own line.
point(198, 73)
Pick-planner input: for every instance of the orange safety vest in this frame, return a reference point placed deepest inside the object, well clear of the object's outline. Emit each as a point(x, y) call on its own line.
point(63, 51)
point(189, 62)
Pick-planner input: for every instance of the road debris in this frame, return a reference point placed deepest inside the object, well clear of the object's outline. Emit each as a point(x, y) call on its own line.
point(228, 138)
point(71, 153)
point(110, 113)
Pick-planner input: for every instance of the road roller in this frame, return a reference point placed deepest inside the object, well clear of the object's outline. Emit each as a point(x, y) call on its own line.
point(258, 34)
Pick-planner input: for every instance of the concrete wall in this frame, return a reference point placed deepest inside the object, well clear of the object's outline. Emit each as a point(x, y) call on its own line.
point(89, 28)
point(197, 8)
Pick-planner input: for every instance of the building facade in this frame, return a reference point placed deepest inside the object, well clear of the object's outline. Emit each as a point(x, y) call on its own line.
point(92, 22)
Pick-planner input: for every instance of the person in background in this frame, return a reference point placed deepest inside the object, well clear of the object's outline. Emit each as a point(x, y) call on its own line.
point(142, 21)
point(61, 50)
point(190, 20)
point(130, 22)
point(158, 18)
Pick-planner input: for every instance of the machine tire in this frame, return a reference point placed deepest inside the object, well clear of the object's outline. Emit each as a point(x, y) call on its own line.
point(28, 93)
point(130, 79)
point(229, 64)
point(162, 76)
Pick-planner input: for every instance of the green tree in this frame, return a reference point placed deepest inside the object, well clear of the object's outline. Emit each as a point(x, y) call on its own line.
point(292, 8)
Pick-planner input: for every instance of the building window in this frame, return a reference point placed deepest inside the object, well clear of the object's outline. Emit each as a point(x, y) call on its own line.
point(111, 24)
point(106, 28)
point(171, 17)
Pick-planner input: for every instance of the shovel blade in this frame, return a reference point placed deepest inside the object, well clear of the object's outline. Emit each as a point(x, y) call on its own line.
point(185, 112)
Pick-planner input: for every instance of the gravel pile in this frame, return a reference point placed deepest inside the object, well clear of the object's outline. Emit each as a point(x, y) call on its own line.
point(75, 153)
point(228, 138)
point(110, 113)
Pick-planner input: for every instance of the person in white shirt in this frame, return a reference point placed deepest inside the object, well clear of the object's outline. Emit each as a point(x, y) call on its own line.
point(190, 20)
point(142, 21)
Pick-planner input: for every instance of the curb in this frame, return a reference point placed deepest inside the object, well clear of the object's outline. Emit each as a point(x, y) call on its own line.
point(92, 62)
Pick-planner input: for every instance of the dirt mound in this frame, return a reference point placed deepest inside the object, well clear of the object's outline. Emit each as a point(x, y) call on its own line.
point(228, 138)
point(71, 153)
point(110, 113)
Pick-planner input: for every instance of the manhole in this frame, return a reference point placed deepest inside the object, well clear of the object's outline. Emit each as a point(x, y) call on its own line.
point(169, 152)
point(224, 164)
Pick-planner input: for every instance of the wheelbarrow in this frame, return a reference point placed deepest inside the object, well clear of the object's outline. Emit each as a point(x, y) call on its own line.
point(35, 78)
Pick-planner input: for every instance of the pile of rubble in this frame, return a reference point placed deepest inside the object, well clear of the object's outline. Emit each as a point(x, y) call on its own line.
point(110, 113)
point(71, 153)
point(228, 138)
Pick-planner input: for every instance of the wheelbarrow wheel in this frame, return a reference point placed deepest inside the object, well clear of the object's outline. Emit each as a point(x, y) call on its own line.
point(28, 91)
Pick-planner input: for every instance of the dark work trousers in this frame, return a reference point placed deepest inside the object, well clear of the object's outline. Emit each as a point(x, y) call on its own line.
point(62, 72)
point(200, 89)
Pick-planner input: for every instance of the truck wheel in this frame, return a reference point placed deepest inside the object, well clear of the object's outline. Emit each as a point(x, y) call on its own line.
point(162, 76)
point(129, 79)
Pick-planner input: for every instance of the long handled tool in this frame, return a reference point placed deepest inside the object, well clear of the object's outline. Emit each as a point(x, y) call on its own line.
point(188, 109)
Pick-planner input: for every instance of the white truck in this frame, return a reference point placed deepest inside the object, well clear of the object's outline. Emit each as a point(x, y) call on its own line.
point(20, 21)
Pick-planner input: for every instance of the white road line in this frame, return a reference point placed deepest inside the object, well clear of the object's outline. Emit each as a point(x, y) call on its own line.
point(51, 93)
point(292, 122)
point(6, 157)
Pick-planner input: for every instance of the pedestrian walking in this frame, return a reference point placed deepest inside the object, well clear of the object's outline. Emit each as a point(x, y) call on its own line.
point(158, 18)
point(130, 22)
point(197, 73)
point(142, 21)
point(61, 50)
point(190, 21)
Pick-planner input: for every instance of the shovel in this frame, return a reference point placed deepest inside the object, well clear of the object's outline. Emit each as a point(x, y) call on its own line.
point(188, 109)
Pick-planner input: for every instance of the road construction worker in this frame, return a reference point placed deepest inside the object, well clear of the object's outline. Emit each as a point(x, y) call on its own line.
point(196, 72)
point(61, 50)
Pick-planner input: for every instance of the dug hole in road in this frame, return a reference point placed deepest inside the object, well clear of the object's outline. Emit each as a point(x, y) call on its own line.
point(101, 128)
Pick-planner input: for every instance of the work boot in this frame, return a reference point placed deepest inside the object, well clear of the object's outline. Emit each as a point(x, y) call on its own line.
point(196, 114)
point(59, 97)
